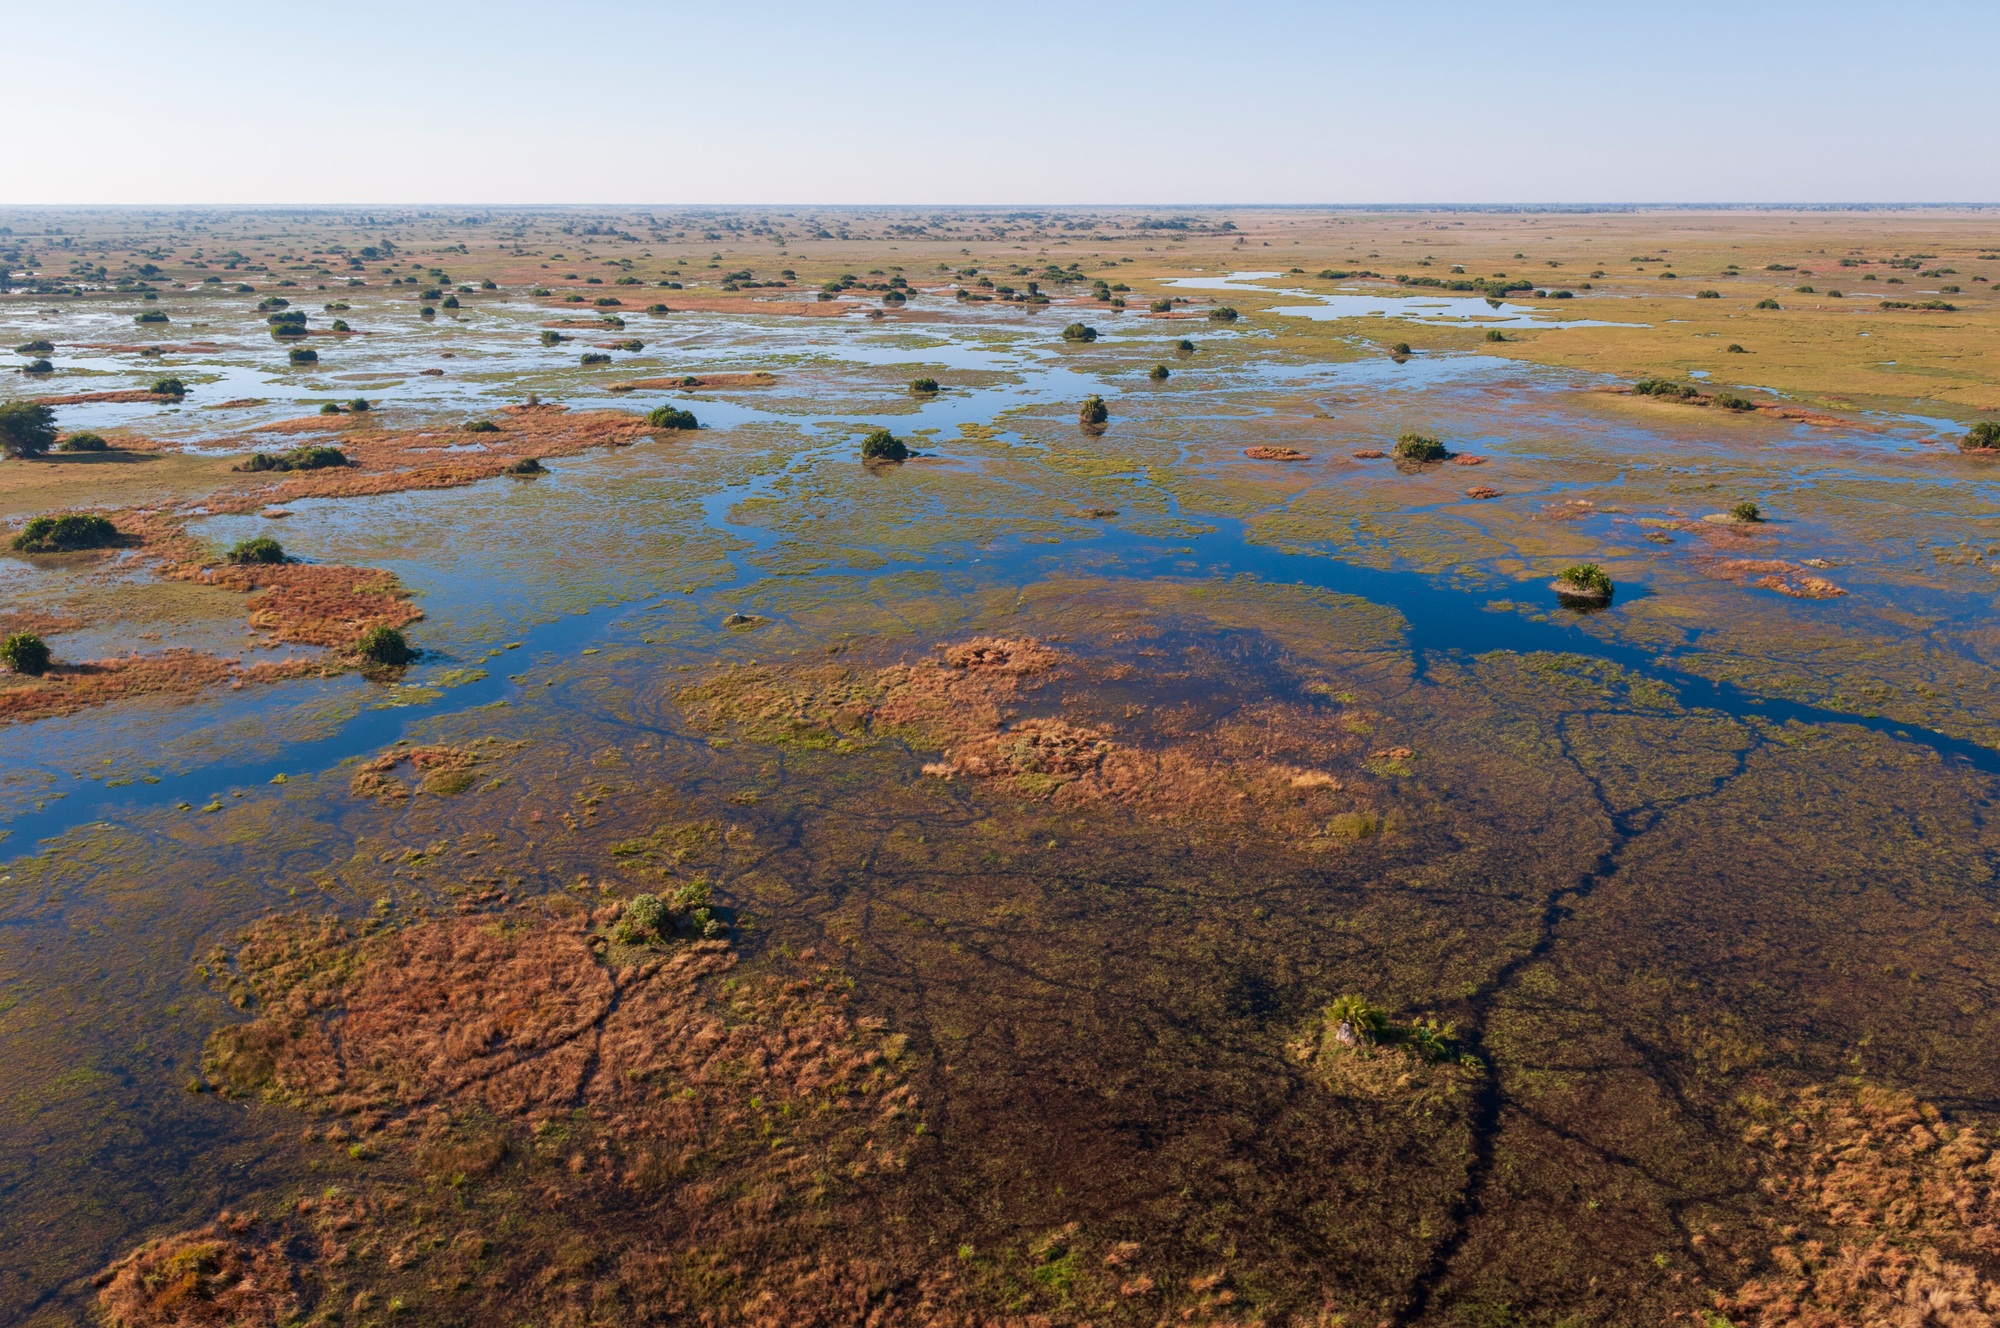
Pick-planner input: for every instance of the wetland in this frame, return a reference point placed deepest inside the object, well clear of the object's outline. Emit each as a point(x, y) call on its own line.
point(1273, 767)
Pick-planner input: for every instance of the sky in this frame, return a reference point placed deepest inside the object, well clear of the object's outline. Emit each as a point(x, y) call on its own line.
point(1078, 103)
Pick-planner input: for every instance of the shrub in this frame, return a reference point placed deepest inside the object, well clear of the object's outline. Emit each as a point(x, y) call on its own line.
point(1159, 373)
point(1729, 401)
point(427, 312)
point(168, 387)
point(39, 367)
point(1400, 348)
point(27, 429)
point(340, 325)
point(1708, 295)
point(1222, 313)
point(60, 534)
point(1664, 388)
point(1734, 348)
point(881, 445)
point(310, 456)
point(1161, 306)
point(1747, 511)
point(591, 357)
point(1981, 437)
point(449, 302)
point(1495, 334)
point(607, 301)
point(633, 344)
point(1355, 1020)
point(303, 355)
point(261, 550)
point(1093, 411)
point(26, 654)
point(527, 466)
point(1079, 332)
point(671, 417)
point(150, 316)
point(289, 324)
point(1587, 580)
point(83, 442)
point(553, 338)
point(658, 309)
point(1183, 347)
point(1768, 304)
point(385, 646)
point(359, 404)
point(36, 347)
point(479, 426)
point(331, 408)
point(1419, 447)
point(924, 386)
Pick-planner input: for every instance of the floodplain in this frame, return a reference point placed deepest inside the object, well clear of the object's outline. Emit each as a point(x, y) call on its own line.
point(1456, 792)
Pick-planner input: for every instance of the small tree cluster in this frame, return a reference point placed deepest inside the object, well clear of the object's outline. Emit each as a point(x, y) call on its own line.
point(385, 646)
point(83, 442)
point(1079, 332)
point(1981, 437)
point(25, 654)
point(671, 417)
point(61, 534)
point(690, 913)
point(262, 550)
point(309, 456)
point(1419, 447)
point(1093, 411)
point(27, 429)
point(881, 445)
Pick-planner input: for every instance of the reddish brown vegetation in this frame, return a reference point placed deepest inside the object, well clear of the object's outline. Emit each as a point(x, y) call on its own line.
point(1482, 491)
point(176, 674)
point(1769, 574)
point(126, 395)
point(720, 380)
point(1369, 454)
point(444, 770)
point(232, 1271)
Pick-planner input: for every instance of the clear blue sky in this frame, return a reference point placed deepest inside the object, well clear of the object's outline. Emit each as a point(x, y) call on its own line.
point(1086, 101)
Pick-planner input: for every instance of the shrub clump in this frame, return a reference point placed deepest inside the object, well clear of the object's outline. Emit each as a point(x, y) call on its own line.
point(689, 913)
point(479, 426)
point(1079, 332)
point(924, 387)
point(26, 654)
point(1734, 348)
point(308, 456)
point(527, 466)
point(38, 346)
point(1183, 347)
point(1222, 313)
point(385, 646)
point(1159, 373)
point(1981, 437)
point(1747, 511)
point(881, 445)
point(60, 534)
point(1093, 411)
point(671, 417)
point(150, 316)
point(1495, 334)
point(1401, 350)
point(303, 355)
point(263, 550)
point(83, 442)
point(591, 357)
point(38, 367)
point(1666, 389)
point(1768, 304)
point(552, 338)
point(1729, 401)
point(168, 387)
point(1586, 583)
point(1419, 447)
point(27, 429)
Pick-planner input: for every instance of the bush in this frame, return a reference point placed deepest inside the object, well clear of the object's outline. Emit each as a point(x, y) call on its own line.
point(261, 550)
point(427, 312)
point(1747, 512)
point(303, 355)
point(27, 429)
point(1708, 295)
point(1183, 347)
point(1495, 334)
point(60, 534)
point(1161, 306)
point(385, 646)
point(289, 324)
point(1400, 348)
point(527, 466)
point(449, 302)
point(26, 654)
point(39, 367)
point(591, 357)
point(1222, 313)
point(1728, 401)
point(1981, 437)
point(881, 445)
point(36, 347)
point(340, 325)
point(1079, 332)
point(690, 913)
point(1768, 304)
point(553, 338)
point(1093, 411)
point(1664, 388)
point(479, 426)
point(1734, 348)
point(671, 417)
point(1588, 581)
point(150, 316)
point(1419, 447)
point(168, 387)
point(1159, 373)
point(359, 405)
point(924, 386)
point(309, 456)
point(634, 344)
point(83, 442)
point(331, 408)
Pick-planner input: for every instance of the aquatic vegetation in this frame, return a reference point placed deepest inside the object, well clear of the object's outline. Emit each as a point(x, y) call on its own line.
point(1420, 447)
point(25, 653)
point(883, 445)
point(62, 534)
point(27, 429)
point(444, 771)
point(261, 550)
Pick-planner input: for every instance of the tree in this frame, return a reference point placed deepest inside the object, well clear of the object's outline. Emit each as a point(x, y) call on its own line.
point(1418, 447)
point(1093, 411)
point(671, 417)
point(1079, 332)
point(61, 534)
point(1982, 437)
point(1747, 511)
point(26, 654)
point(881, 445)
point(27, 429)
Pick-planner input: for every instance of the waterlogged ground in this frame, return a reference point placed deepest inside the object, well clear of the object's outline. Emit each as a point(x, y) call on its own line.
point(1120, 880)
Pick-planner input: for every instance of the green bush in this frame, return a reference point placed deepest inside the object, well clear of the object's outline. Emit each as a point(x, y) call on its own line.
point(150, 316)
point(427, 312)
point(1768, 304)
point(331, 408)
point(36, 347)
point(527, 466)
point(302, 355)
point(449, 302)
point(1729, 401)
point(479, 426)
point(83, 442)
point(881, 445)
point(1588, 580)
point(39, 367)
point(634, 344)
point(924, 386)
point(340, 325)
point(1981, 437)
point(1418, 447)
point(260, 550)
point(591, 357)
point(26, 654)
point(308, 456)
point(1093, 411)
point(671, 417)
point(385, 646)
point(1708, 295)
point(1495, 334)
point(60, 534)
point(1222, 313)
point(1079, 332)
point(1161, 306)
point(1159, 373)
point(359, 404)
point(1183, 347)
point(289, 324)
point(1665, 388)
point(27, 429)
point(1734, 348)
point(553, 338)
point(1747, 511)
point(168, 387)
